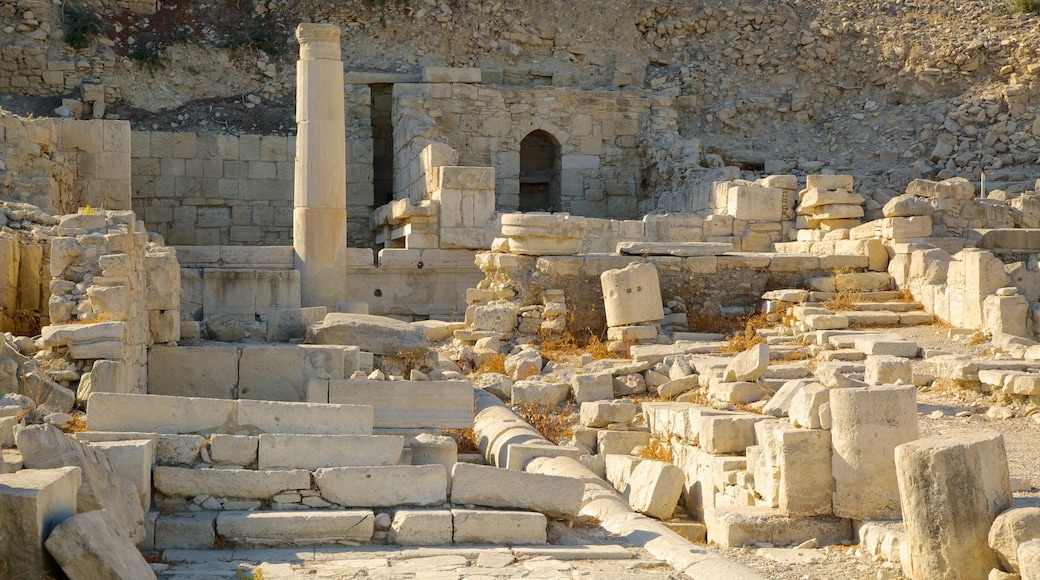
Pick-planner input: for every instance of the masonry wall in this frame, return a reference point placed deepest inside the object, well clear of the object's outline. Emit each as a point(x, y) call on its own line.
point(201, 189)
point(596, 133)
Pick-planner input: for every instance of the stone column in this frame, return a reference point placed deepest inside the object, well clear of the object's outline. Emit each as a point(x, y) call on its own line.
point(320, 189)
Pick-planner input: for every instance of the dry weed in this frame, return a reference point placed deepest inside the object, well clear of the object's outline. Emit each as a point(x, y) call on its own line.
point(562, 348)
point(977, 338)
point(490, 363)
point(846, 292)
point(465, 439)
point(739, 342)
point(554, 424)
point(710, 320)
point(585, 522)
point(76, 425)
point(656, 451)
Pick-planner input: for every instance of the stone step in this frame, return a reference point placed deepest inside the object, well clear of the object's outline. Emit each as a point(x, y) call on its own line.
point(402, 404)
point(169, 414)
point(879, 296)
point(291, 451)
point(857, 281)
point(884, 318)
point(732, 527)
point(885, 306)
point(295, 528)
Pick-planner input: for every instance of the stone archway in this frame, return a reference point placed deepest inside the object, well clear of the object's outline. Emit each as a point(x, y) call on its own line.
point(540, 172)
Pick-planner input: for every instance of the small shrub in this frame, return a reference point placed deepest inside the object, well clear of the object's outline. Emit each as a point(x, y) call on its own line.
point(741, 341)
point(709, 320)
point(656, 451)
point(148, 56)
point(465, 439)
point(846, 292)
point(81, 26)
point(490, 363)
point(560, 348)
point(76, 425)
point(259, 34)
point(1024, 6)
point(551, 422)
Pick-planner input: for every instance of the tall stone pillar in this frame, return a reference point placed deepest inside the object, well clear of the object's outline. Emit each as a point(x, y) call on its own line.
point(320, 189)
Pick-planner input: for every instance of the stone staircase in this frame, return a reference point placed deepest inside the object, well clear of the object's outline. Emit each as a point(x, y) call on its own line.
point(227, 473)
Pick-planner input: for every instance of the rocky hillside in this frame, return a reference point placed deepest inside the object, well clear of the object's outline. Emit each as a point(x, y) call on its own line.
point(885, 89)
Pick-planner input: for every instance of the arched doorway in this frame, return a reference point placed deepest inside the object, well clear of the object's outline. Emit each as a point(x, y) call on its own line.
point(539, 173)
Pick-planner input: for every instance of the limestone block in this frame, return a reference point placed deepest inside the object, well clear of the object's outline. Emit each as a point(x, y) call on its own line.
point(304, 418)
point(620, 442)
point(526, 363)
point(1006, 315)
point(421, 528)
point(185, 531)
point(779, 405)
point(828, 181)
point(34, 502)
point(654, 488)
point(906, 206)
point(377, 334)
point(741, 526)
point(233, 449)
point(813, 198)
point(430, 449)
point(738, 392)
point(589, 387)
point(156, 413)
point(292, 451)
point(876, 347)
point(804, 461)
point(498, 527)
point(673, 419)
point(540, 394)
point(888, 370)
point(67, 334)
point(618, 470)
point(806, 404)
point(1010, 529)
point(954, 187)
point(132, 460)
point(285, 325)
point(827, 321)
point(983, 272)
point(866, 425)
point(280, 373)
point(672, 389)
point(92, 545)
point(904, 228)
point(728, 434)
point(163, 275)
point(164, 325)
point(632, 295)
point(753, 203)
point(296, 528)
point(947, 535)
point(495, 317)
point(45, 447)
point(237, 483)
point(229, 293)
point(1024, 384)
point(603, 413)
point(193, 371)
point(520, 454)
point(409, 404)
point(386, 486)
point(554, 496)
point(1029, 559)
point(443, 74)
point(749, 365)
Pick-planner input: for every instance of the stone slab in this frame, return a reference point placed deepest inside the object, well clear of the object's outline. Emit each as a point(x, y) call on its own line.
point(33, 502)
point(233, 483)
point(193, 371)
point(296, 528)
point(733, 527)
point(292, 451)
point(498, 527)
point(555, 496)
point(420, 485)
point(409, 404)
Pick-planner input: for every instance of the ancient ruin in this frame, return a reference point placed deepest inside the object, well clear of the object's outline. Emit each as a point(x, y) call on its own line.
point(475, 289)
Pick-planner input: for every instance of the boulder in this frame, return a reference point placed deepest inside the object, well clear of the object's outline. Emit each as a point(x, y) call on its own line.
point(1011, 529)
point(92, 546)
point(906, 206)
point(376, 334)
point(749, 365)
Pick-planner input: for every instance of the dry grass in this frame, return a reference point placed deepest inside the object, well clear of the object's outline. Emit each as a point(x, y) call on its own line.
point(712, 321)
point(465, 439)
point(741, 341)
point(76, 425)
point(585, 522)
point(656, 451)
point(568, 346)
point(554, 424)
point(490, 363)
point(977, 338)
point(846, 292)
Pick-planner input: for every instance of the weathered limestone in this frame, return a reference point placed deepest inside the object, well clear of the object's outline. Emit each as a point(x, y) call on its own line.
point(421, 528)
point(92, 545)
point(654, 488)
point(320, 196)
point(603, 413)
point(132, 460)
point(45, 447)
point(403, 404)
point(749, 365)
point(557, 497)
point(378, 335)
point(740, 526)
point(947, 534)
point(866, 425)
point(296, 528)
point(498, 527)
point(34, 502)
point(1010, 529)
point(888, 370)
point(292, 451)
point(237, 483)
point(193, 371)
point(588, 387)
point(185, 531)
point(1029, 559)
point(422, 485)
point(632, 295)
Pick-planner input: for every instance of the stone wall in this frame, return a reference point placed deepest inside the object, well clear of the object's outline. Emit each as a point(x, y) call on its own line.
point(201, 189)
point(594, 132)
point(61, 165)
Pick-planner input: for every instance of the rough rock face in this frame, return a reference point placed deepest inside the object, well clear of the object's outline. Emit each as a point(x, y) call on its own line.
point(45, 447)
point(376, 334)
point(92, 546)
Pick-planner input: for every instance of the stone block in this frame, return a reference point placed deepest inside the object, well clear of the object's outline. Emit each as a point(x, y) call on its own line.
point(45, 447)
point(193, 371)
point(728, 434)
point(603, 413)
point(541, 394)
point(732, 527)
point(132, 460)
point(929, 470)
point(237, 483)
point(501, 318)
point(387, 486)
point(520, 454)
point(280, 373)
point(237, 450)
point(587, 387)
point(620, 442)
point(296, 528)
point(866, 425)
point(954, 187)
point(1011, 529)
point(632, 295)
point(93, 545)
point(179, 449)
point(654, 488)
point(554, 496)
point(1029, 559)
point(285, 325)
point(377, 334)
point(881, 347)
point(293, 451)
point(186, 531)
point(156, 413)
point(498, 527)
point(34, 502)
point(304, 418)
point(421, 528)
point(753, 203)
point(827, 181)
point(749, 365)
point(888, 370)
point(804, 460)
point(409, 404)
point(806, 404)
point(1006, 315)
